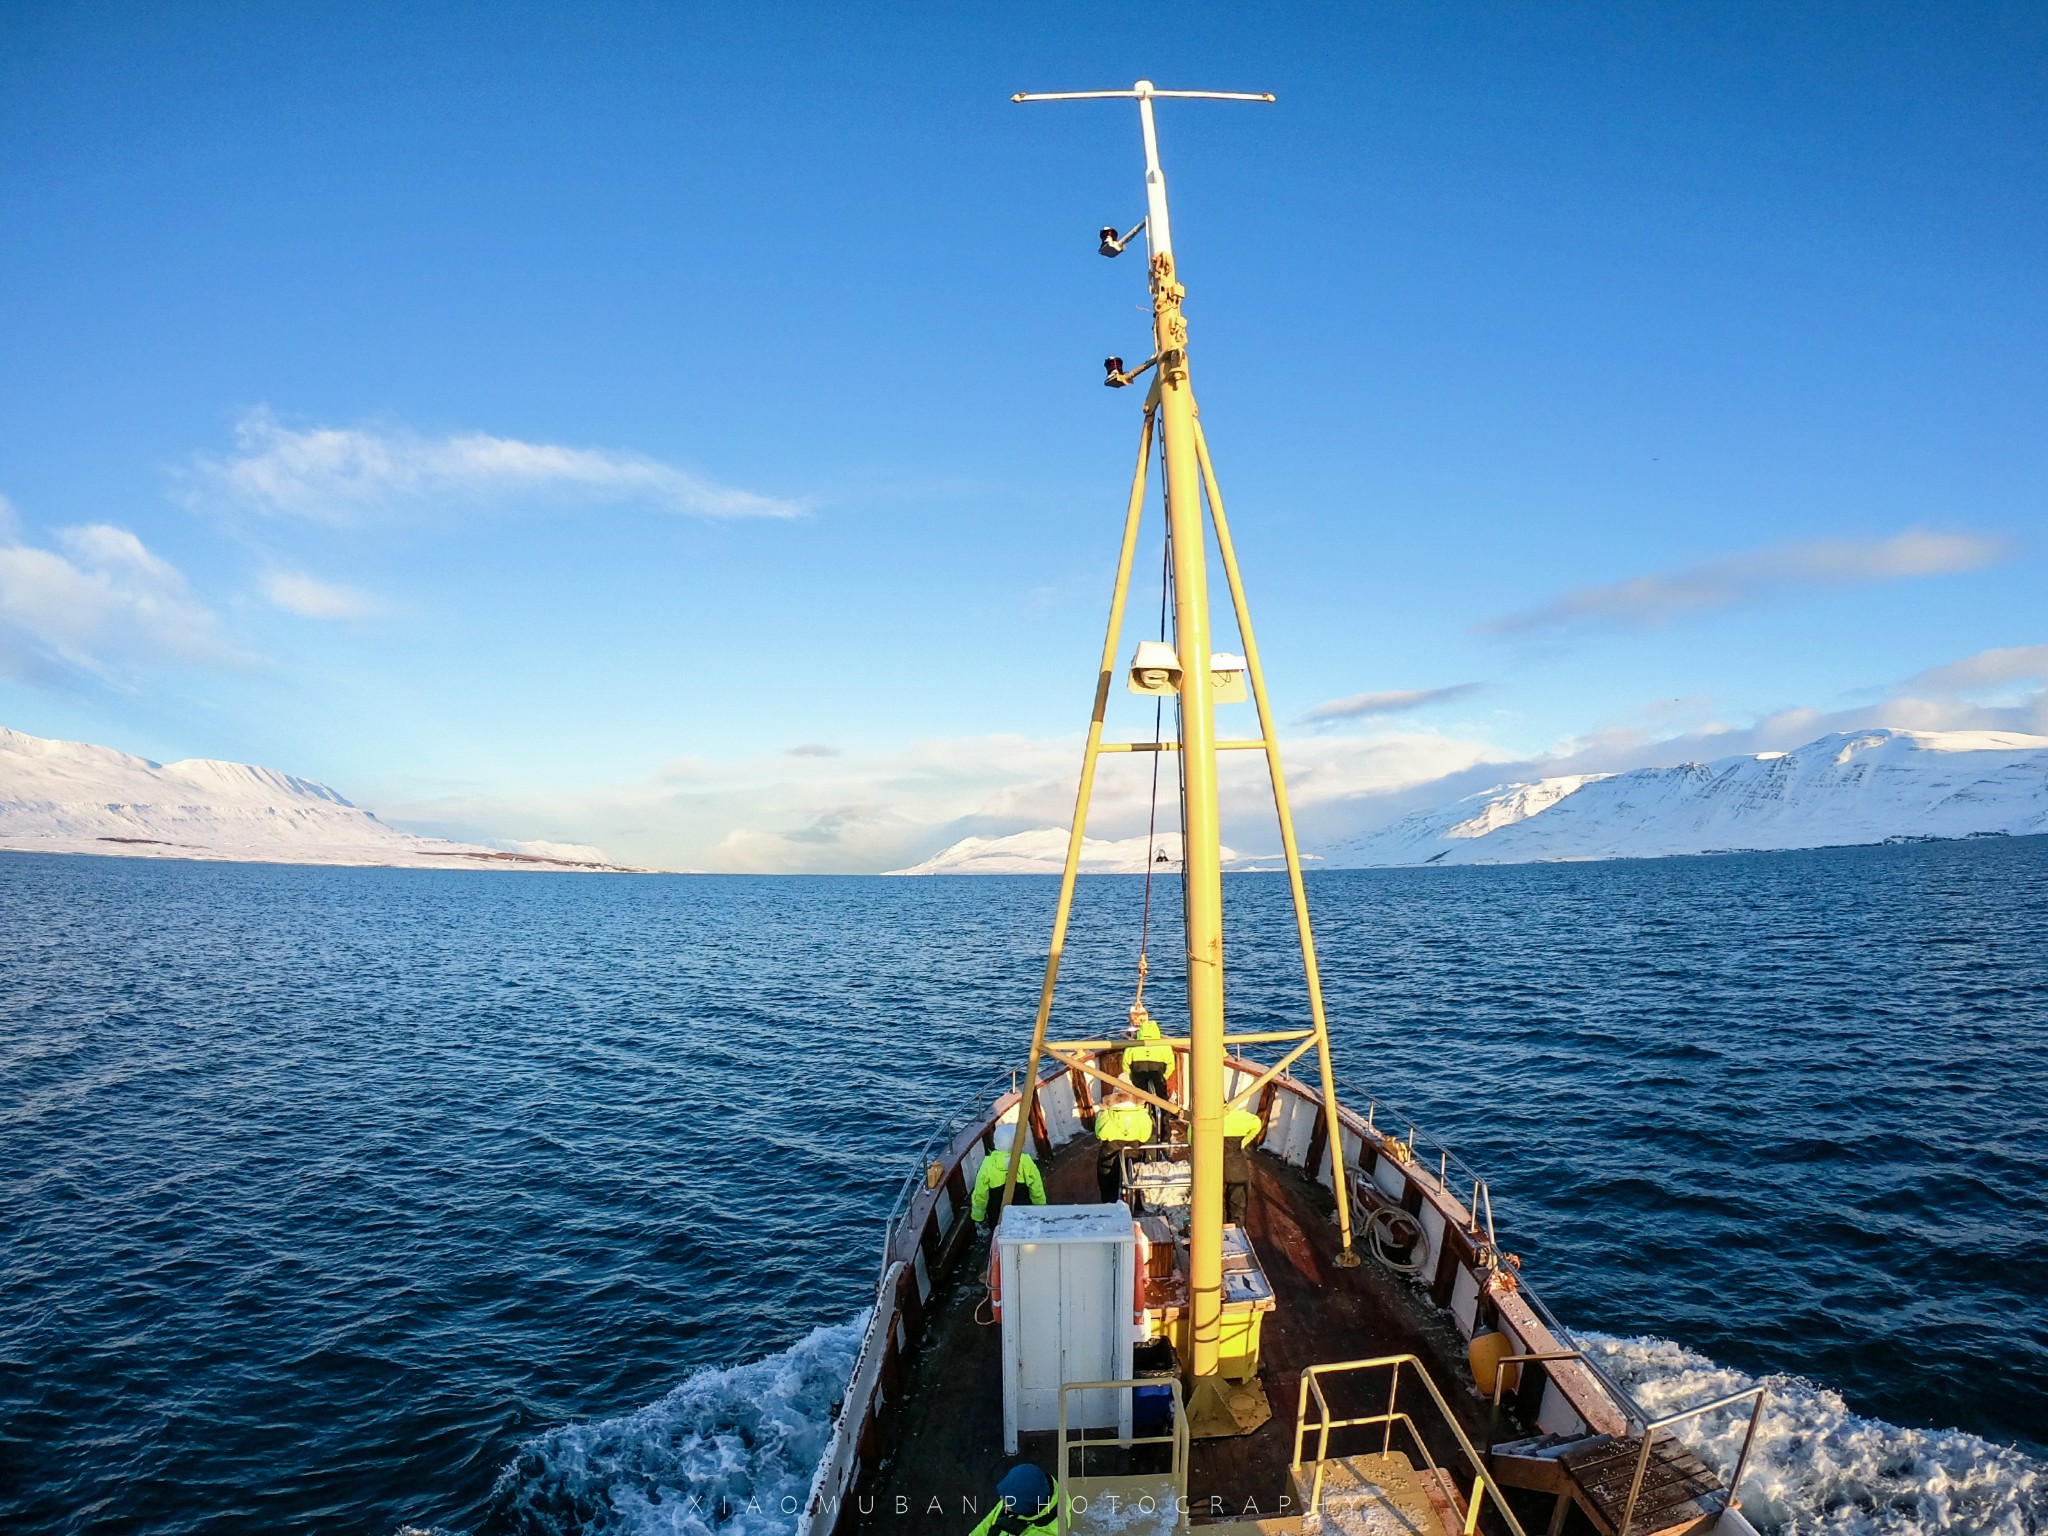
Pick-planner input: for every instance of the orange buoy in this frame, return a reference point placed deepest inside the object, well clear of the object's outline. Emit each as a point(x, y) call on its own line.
point(1489, 1347)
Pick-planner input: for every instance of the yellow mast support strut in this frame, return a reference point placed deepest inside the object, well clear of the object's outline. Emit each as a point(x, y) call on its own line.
point(1081, 1064)
point(1082, 796)
point(1347, 1257)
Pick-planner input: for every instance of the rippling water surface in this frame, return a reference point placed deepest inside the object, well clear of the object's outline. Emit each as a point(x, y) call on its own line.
point(352, 1200)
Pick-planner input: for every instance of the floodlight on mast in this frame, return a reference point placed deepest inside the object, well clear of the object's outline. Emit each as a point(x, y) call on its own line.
point(1158, 232)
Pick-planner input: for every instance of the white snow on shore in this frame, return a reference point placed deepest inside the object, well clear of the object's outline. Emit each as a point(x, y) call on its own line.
point(73, 797)
point(1044, 852)
point(1850, 787)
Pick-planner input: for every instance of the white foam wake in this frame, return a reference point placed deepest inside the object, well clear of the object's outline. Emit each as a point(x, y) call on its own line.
point(1820, 1470)
point(731, 1453)
point(728, 1453)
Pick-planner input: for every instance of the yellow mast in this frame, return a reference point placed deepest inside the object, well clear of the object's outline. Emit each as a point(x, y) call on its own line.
point(1171, 404)
point(1201, 830)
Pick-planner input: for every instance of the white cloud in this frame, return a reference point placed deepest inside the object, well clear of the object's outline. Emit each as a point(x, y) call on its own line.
point(1397, 701)
point(865, 812)
point(345, 476)
point(310, 598)
point(1747, 578)
point(1987, 671)
point(100, 603)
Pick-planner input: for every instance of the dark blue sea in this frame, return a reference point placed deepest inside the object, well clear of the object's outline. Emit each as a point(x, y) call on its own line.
point(371, 1200)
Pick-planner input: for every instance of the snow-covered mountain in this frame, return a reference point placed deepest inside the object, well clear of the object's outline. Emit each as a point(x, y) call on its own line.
point(1851, 787)
point(72, 797)
point(1044, 852)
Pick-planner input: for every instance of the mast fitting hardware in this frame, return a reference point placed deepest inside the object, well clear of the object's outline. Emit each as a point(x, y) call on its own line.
point(1110, 243)
point(1119, 376)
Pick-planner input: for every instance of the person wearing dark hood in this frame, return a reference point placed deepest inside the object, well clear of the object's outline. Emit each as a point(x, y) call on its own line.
point(1027, 1504)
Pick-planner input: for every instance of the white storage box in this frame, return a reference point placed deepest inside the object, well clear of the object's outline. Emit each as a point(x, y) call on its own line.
point(1069, 1277)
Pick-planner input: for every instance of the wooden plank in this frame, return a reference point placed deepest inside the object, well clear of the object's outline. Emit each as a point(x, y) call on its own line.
point(1450, 1252)
point(1084, 1102)
point(1446, 1496)
point(1539, 1474)
point(1318, 1139)
point(1678, 1490)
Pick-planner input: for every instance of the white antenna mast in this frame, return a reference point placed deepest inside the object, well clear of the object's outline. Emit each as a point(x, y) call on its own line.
point(1158, 228)
point(1172, 398)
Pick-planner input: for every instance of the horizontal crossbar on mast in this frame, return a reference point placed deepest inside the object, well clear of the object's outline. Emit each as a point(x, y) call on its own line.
point(1268, 1037)
point(1174, 746)
point(1150, 90)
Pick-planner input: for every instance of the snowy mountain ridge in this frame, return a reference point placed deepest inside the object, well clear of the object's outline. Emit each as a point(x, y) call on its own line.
point(74, 797)
point(1849, 787)
point(1043, 851)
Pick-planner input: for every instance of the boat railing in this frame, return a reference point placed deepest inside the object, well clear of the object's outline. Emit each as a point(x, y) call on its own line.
point(1753, 1395)
point(1078, 1490)
point(972, 1105)
point(1417, 1140)
point(1620, 1396)
point(1482, 1202)
point(1326, 1421)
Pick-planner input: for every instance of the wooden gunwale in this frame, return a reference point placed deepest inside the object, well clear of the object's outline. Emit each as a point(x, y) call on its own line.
point(935, 1227)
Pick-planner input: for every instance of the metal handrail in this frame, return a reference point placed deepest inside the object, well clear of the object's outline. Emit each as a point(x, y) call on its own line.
point(1311, 1382)
point(950, 1125)
point(1633, 1411)
point(1650, 1435)
point(1448, 1158)
point(1177, 1437)
point(1620, 1396)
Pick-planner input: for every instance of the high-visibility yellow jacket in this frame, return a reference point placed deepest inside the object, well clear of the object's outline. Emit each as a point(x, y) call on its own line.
point(1046, 1525)
point(995, 1168)
point(1142, 1053)
point(1241, 1126)
point(1123, 1122)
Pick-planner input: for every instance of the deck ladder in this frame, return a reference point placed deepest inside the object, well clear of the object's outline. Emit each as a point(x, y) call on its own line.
point(1090, 1503)
point(1387, 1477)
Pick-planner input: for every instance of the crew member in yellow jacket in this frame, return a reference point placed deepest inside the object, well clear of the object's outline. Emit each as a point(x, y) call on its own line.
point(1121, 1121)
point(995, 1172)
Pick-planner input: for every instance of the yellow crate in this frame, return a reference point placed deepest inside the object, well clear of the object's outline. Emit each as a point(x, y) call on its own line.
point(1238, 1348)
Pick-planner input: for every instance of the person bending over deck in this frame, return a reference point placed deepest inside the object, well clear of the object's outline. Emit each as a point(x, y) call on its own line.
point(1120, 1122)
point(1027, 1504)
point(995, 1172)
point(1147, 1063)
point(1240, 1129)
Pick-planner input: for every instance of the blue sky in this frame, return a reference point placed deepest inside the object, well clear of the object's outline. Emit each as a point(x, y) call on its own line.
point(537, 422)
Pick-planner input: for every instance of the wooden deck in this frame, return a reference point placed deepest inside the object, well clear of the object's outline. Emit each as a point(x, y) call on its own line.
point(1679, 1494)
point(943, 1449)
